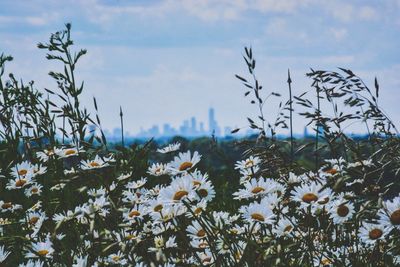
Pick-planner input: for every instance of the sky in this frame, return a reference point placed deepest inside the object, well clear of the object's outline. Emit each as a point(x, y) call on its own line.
point(166, 61)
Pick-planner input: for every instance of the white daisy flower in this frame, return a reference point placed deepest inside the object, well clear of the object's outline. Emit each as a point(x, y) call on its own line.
point(199, 243)
point(390, 214)
point(184, 162)
point(206, 257)
point(124, 176)
point(137, 184)
point(284, 227)
point(117, 258)
point(196, 231)
point(34, 189)
point(256, 187)
point(247, 174)
point(370, 233)
point(205, 191)
point(257, 212)
point(96, 163)
point(158, 169)
point(169, 148)
point(135, 214)
point(68, 152)
point(249, 163)
point(19, 183)
point(22, 170)
point(178, 190)
point(311, 194)
point(340, 210)
point(41, 250)
point(9, 206)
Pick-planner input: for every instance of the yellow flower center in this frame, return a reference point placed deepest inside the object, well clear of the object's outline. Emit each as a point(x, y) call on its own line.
point(43, 252)
point(134, 213)
point(249, 164)
point(158, 208)
point(201, 233)
point(288, 228)
point(203, 192)
point(69, 152)
point(34, 190)
point(342, 210)
point(257, 189)
point(115, 258)
point(197, 211)
point(257, 217)
point(203, 245)
point(20, 182)
point(332, 171)
point(22, 172)
point(94, 164)
point(185, 166)
point(395, 217)
point(34, 220)
point(309, 197)
point(6, 205)
point(375, 234)
point(180, 194)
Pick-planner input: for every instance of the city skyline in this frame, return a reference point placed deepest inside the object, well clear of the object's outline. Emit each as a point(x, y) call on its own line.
point(191, 127)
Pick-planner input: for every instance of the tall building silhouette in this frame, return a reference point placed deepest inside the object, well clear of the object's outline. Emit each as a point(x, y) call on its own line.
point(212, 123)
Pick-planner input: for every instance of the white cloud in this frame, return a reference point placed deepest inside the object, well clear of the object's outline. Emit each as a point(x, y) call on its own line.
point(339, 34)
point(368, 13)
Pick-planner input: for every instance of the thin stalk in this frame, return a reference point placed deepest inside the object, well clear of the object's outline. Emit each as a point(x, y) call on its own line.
point(317, 131)
point(289, 81)
point(121, 115)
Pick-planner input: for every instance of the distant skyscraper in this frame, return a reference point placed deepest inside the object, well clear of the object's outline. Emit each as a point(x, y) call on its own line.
point(212, 123)
point(193, 130)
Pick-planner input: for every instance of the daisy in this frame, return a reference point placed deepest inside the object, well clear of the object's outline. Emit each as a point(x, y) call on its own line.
point(3, 254)
point(249, 163)
point(257, 212)
point(169, 148)
point(117, 258)
point(96, 163)
point(184, 162)
point(256, 187)
point(41, 249)
point(247, 174)
point(340, 210)
point(9, 206)
point(68, 152)
point(196, 231)
point(158, 169)
point(22, 170)
point(137, 184)
point(197, 209)
point(34, 189)
point(178, 190)
point(310, 194)
point(370, 233)
point(205, 191)
point(124, 176)
point(135, 214)
point(283, 228)
point(390, 215)
point(206, 257)
point(199, 243)
point(19, 183)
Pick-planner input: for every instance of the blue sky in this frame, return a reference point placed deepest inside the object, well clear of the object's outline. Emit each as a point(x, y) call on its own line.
point(165, 61)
